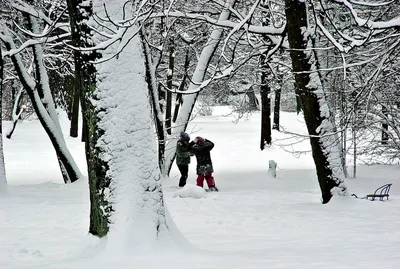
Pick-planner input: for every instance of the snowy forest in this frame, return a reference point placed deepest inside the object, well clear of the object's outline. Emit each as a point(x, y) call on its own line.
point(131, 76)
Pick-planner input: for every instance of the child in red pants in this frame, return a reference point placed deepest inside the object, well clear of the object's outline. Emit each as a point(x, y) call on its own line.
point(201, 148)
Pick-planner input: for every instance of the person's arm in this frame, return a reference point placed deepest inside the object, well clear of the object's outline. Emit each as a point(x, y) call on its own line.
point(208, 145)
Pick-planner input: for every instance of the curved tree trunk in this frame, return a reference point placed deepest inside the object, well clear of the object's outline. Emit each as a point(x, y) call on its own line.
point(42, 94)
point(44, 108)
point(324, 141)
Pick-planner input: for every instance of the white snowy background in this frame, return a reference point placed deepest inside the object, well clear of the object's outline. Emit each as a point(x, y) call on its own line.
point(253, 222)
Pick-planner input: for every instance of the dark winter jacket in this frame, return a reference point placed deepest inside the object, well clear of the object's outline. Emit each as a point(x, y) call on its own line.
point(182, 152)
point(202, 153)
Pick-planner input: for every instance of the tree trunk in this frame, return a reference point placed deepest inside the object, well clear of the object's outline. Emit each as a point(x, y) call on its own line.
point(16, 118)
point(265, 91)
point(127, 202)
point(253, 101)
point(385, 126)
point(3, 179)
point(68, 168)
point(277, 109)
point(73, 131)
point(85, 81)
point(11, 131)
point(153, 93)
point(84, 71)
point(178, 100)
point(354, 137)
point(42, 102)
point(168, 109)
point(324, 141)
point(16, 112)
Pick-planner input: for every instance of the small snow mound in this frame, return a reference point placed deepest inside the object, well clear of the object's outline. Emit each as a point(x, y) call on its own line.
point(338, 191)
point(192, 191)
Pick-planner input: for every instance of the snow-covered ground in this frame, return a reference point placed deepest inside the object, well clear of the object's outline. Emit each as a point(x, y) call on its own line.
point(253, 222)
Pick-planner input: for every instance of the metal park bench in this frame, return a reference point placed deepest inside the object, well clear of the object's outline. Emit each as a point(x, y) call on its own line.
point(381, 193)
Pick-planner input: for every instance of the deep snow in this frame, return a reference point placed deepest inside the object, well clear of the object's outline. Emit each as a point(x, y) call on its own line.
point(253, 222)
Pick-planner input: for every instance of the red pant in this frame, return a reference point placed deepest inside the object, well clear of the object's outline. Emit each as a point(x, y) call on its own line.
point(209, 179)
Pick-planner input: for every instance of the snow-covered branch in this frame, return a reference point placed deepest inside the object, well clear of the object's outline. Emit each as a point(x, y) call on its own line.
point(392, 23)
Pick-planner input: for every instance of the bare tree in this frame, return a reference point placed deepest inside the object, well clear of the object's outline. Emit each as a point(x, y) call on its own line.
point(37, 87)
point(323, 139)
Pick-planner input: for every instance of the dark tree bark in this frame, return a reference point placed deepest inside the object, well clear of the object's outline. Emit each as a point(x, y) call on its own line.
point(79, 76)
point(178, 100)
point(296, 15)
point(73, 131)
point(151, 83)
point(82, 81)
point(277, 109)
point(265, 91)
point(385, 126)
point(11, 131)
point(85, 81)
point(168, 108)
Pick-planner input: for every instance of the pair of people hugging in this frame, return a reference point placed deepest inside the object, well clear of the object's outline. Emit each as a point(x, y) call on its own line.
point(200, 147)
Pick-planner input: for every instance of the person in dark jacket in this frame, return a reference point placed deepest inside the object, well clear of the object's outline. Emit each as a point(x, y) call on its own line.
point(183, 157)
point(201, 148)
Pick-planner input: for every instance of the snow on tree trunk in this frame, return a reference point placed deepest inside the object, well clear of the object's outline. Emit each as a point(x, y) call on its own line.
point(68, 167)
point(128, 183)
point(42, 102)
point(324, 141)
point(3, 179)
point(199, 73)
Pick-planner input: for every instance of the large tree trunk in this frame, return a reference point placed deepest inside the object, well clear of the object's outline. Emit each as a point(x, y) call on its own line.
point(124, 178)
point(324, 142)
point(85, 83)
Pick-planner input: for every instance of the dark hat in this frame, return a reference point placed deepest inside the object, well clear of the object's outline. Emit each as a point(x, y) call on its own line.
point(185, 137)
